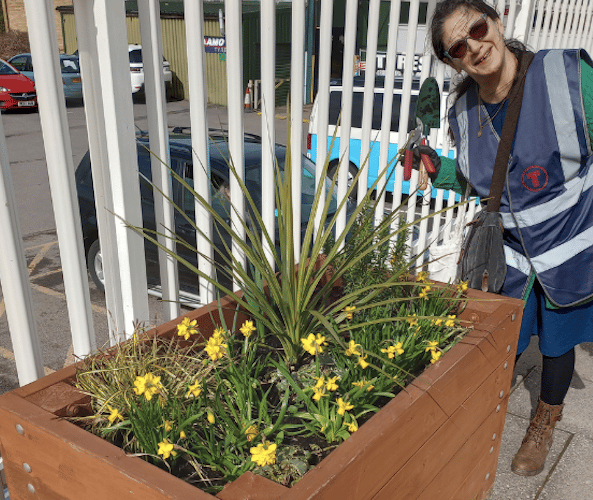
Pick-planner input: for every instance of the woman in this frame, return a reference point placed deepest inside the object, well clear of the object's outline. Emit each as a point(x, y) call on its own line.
point(547, 203)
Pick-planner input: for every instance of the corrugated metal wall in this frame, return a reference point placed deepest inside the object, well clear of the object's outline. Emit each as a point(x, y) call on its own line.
point(174, 50)
point(69, 34)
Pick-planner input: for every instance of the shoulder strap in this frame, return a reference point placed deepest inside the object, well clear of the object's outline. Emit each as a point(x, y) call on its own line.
point(508, 134)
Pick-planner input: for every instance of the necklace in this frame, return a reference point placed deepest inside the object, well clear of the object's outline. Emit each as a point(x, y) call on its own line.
point(489, 118)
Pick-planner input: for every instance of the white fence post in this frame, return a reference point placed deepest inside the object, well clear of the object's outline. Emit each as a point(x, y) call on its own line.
point(268, 109)
point(14, 277)
point(196, 69)
point(60, 168)
point(152, 56)
point(297, 74)
point(122, 160)
point(234, 59)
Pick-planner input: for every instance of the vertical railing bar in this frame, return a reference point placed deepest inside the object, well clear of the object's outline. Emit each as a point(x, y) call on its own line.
point(14, 277)
point(268, 106)
point(60, 168)
point(510, 27)
point(158, 136)
point(405, 106)
point(325, 44)
point(579, 12)
point(93, 106)
point(297, 74)
point(196, 72)
point(586, 34)
point(546, 28)
point(110, 30)
point(234, 60)
point(576, 19)
point(369, 96)
point(569, 22)
point(561, 23)
point(554, 27)
point(346, 116)
point(386, 134)
point(539, 22)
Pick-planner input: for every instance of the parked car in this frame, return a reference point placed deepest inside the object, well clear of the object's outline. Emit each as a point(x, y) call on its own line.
point(137, 69)
point(181, 163)
point(335, 108)
point(16, 90)
point(70, 72)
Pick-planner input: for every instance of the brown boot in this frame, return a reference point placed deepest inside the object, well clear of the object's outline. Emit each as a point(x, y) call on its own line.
point(531, 457)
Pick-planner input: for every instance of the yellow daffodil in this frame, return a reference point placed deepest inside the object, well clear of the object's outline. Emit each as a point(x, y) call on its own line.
point(412, 320)
point(318, 393)
point(215, 348)
point(247, 328)
point(115, 414)
point(331, 384)
point(438, 321)
point(166, 449)
point(187, 328)
point(182, 435)
point(392, 350)
point(219, 333)
point(432, 346)
point(451, 321)
point(149, 385)
point(352, 426)
point(362, 362)
point(362, 384)
point(167, 426)
point(194, 390)
point(349, 310)
point(314, 344)
point(343, 406)
point(462, 287)
point(424, 293)
point(251, 433)
point(435, 356)
point(320, 382)
point(210, 418)
point(264, 454)
point(422, 276)
point(354, 348)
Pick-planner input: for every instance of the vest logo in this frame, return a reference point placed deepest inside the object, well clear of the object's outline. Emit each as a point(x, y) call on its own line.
point(535, 178)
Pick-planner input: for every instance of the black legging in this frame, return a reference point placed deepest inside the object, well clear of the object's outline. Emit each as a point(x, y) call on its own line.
point(556, 377)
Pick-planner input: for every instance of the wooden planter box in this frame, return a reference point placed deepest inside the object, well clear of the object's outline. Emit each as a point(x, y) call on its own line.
point(439, 438)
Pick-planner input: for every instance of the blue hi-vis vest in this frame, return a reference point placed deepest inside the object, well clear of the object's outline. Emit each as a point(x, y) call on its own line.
point(547, 203)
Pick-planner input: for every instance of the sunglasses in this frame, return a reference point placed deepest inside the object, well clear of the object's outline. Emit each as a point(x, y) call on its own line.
point(477, 31)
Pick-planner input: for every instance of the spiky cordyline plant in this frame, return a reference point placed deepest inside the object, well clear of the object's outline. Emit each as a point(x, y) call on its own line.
point(296, 300)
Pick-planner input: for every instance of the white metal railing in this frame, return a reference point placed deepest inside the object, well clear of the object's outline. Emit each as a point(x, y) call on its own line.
point(101, 29)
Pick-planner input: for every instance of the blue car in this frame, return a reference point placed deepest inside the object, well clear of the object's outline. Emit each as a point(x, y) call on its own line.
point(70, 73)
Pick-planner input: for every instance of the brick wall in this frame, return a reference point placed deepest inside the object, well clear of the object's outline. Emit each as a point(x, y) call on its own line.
point(15, 18)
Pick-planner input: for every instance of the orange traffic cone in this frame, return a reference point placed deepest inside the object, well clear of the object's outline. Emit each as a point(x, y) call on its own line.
point(247, 101)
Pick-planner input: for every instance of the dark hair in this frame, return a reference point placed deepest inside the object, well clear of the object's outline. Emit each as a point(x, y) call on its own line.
point(442, 12)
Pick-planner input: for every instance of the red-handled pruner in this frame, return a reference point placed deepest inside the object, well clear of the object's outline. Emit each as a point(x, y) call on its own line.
point(417, 138)
point(413, 140)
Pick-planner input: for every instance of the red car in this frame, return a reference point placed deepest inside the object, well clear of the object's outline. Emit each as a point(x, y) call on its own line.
point(16, 90)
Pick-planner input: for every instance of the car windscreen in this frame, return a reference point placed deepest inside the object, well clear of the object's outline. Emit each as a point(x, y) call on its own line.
point(335, 108)
point(253, 184)
point(69, 65)
point(5, 69)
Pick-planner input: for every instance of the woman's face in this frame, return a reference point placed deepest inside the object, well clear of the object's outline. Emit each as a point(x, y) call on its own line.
point(483, 58)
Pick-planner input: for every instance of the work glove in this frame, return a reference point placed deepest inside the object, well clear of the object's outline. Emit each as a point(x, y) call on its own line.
point(429, 158)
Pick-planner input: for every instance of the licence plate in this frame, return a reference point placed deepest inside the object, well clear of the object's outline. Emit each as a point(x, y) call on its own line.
point(26, 103)
point(76, 80)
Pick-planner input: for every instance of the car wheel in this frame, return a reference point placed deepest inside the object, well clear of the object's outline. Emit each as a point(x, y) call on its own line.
point(95, 265)
point(352, 172)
